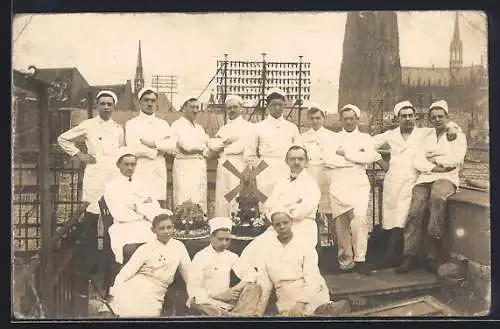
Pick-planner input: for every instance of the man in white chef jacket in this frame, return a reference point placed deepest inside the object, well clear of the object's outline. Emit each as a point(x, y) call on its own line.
point(404, 142)
point(103, 138)
point(352, 150)
point(299, 194)
point(230, 142)
point(209, 277)
point(438, 162)
point(316, 141)
point(290, 267)
point(271, 140)
point(132, 207)
point(150, 139)
point(189, 172)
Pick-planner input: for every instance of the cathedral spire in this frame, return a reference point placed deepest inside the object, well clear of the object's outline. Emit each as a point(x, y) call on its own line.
point(456, 48)
point(139, 74)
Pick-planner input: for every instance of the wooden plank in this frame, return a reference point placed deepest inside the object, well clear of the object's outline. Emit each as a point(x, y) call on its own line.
point(420, 306)
point(381, 282)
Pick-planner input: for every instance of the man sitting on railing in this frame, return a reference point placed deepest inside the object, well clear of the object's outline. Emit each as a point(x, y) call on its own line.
point(438, 162)
point(132, 209)
point(141, 285)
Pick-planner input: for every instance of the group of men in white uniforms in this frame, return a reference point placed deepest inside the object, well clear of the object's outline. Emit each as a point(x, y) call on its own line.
point(317, 172)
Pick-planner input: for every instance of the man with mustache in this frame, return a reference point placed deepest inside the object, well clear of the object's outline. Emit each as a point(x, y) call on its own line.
point(150, 138)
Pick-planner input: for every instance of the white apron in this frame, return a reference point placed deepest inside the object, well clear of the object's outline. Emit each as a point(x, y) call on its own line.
point(95, 176)
point(154, 175)
point(190, 181)
point(288, 292)
point(322, 176)
point(349, 188)
point(141, 296)
point(226, 181)
point(277, 169)
point(397, 194)
point(122, 233)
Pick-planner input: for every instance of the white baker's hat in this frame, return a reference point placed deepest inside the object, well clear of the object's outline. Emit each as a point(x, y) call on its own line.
point(351, 107)
point(217, 223)
point(122, 151)
point(107, 93)
point(312, 105)
point(279, 210)
point(234, 98)
point(402, 105)
point(144, 90)
point(275, 91)
point(442, 104)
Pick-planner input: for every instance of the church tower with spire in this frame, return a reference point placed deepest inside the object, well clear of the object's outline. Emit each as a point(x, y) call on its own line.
point(456, 50)
point(139, 74)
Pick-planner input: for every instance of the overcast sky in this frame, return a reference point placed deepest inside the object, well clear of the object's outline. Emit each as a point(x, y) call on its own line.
point(104, 46)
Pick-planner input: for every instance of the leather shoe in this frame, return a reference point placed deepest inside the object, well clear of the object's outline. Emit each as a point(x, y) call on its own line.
point(408, 264)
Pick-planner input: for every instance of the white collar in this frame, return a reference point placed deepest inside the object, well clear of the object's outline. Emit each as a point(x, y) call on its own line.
point(147, 116)
point(271, 118)
point(238, 119)
point(312, 131)
point(192, 124)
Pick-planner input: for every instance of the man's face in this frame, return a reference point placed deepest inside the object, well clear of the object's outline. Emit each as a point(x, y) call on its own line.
point(296, 160)
point(282, 224)
point(407, 118)
point(317, 120)
point(127, 165)
point(148, 103)
point(220, 240)
point(164, 230)
point(276, 106)
point(191, 110)
point(105, 105)
point(349, 120)
point(438, 118)
point(233, 109)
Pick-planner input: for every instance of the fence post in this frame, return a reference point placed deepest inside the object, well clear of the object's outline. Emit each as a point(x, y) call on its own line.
point(45, 197)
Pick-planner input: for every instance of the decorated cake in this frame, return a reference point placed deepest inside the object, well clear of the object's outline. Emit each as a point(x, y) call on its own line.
point(248, 222)
point(190, 221)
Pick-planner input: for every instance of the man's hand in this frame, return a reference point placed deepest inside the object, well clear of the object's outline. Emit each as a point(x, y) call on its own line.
point(432, 159)
point(86, 158)
point(451, 133)
point(148, 143)
point(299, 309)
point(441, 169)
point(228, 296)
point(148, 200)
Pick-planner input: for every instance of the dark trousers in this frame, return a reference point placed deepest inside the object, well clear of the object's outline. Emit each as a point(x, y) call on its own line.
point(427, 198)
point(89, 238)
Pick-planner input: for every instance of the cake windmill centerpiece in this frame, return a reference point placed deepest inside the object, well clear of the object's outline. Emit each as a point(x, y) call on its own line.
point(248, 221)
point(190, 221)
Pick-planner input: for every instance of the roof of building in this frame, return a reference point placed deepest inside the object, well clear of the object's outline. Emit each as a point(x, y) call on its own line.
point(437, 76)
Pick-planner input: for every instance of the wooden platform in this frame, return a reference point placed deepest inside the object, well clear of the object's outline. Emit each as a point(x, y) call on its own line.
point(381, 282)
point(421, 306)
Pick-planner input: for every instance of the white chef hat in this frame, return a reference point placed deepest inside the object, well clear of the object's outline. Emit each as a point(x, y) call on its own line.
point(217, 223)
point(144, 90)
point(234, 98)
point(107, 93)
point(402, 105)
point(279, 210)
point(442, 104)
point(123, 151)
point(312, 105)
point(276, 91)
point(350, 107)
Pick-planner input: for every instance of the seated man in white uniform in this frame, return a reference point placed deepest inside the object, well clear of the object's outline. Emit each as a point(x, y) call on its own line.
point(290, 266)
point(141, 285)
point(209, 278)
point(299, 194)
point(132, 209)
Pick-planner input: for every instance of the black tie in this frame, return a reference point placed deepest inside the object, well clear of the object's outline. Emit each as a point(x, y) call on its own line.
point(292, 178)
point(130, 179)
